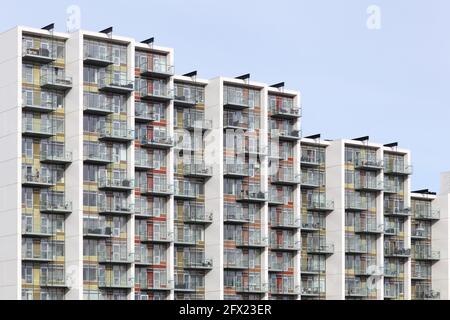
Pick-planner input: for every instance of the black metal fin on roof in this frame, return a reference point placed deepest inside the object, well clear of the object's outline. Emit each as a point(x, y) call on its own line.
point(190, 74)
point(49, 27)
point(391, 145)
point(362, 139)
point(244, 77)
point(278, 85)
point(314, 137)
point(425, 191)
point(107, 30)
point(149, 40)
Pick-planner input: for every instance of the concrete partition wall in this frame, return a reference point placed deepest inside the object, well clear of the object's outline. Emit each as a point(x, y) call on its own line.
point(10, 160)
point(335, 222)
point(440, 240)
point(214, 234)
point(74, 172)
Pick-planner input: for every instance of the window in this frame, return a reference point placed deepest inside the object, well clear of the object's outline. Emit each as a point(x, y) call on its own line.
point(27, 198)
point(27, 274)
point(28, 73)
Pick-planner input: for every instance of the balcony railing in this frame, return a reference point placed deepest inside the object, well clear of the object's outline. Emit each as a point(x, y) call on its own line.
point(426, 214)
point(311, 180)
point(185, 192)
point(397, 252)
point(37, 180)
point(369, 185)
point(252, 288)
point(252, 196)
point(200, 264)
point(396, 209)
point(37, 256)
point(285, 222)
point(285, 246)
point(234, 98)
point(185, 239)
point(356, 292)
point(188, 96)
point(110, 257)
point(56, 82)
point(236, 264)
point(355, 203)
point(308, 290)
point(187, 286)
point(111, 207)
point(235, 216)
point(95, 155)
point(143, 163)
point(114, 84)
point(197, 215)
point(286, 178)
point(198, 170)
point(161, 237)
point(320, 205)
point(369, 164)
point(369, 227)
point(311, 269)
point(428, 295)
point(238, 170)
point(193, 122)
point(163, 142)
point(284, 290)
point(398, 169)
point(276, 199)
point(250, 242)
point(38, 128)
point(357, 247)
point(159, 189)
point(116, 134)
point(52, 282)
point(56, 155)
point(308, 160)
point(426, 254)
point(40, 55)
point(40, 104)
point(113, 284)
point(231, 121)
point(321, 249)
point(284, 111)
point(38, 230)
point(95, 230)
point(97, 55)
point(287, 134)
point(116, 184)
point(56, 206)
point(157, 69)
point(156, 94)
point(160, 286)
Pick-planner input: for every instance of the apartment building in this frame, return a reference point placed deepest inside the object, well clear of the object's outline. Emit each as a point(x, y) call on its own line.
point(125, 181)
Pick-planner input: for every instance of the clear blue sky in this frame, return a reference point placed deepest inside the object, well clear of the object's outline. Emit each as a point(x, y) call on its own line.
point(391, 84)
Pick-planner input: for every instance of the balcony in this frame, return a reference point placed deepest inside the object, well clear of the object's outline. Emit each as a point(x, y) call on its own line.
point(310, 291)
point(197, 123)
point(205, 264)
point(39, 257)
point(287, 222)
point(253, 242)
point(98, 108)
point(356, 247)
point(286, 112)
point(56, 155)
point(188, 96)
point(116, 134)
point(286, 178)
point(96, 156)
point(427, 255)
point(234, 121)
point(326, 249)
point(153, 237)
point(198, 171)
point(311, 269)
point(37, 180)
point(428, 295)
point(183, 192)
point(38, 55)
point(119, 208)
point(369, 165)
point(284, 290)
point(96, 231)
point(39, 105)
point(143, 261)
point(159, 70)
point(320, 205)
point(276, 199)
point(186, 287)
point(112, 84)
point(355, 204)
point(233, 98)
point(187, 239)
point(55, 205)
point(238, 264)
point(390, 187)
point(112, 258)
point(421, 274)
point(392, 272)
point(235, 216)
point(369, 185)
point(142, 163)
point(37, 128)
point(252, 288)
point(391, 230)
point(286, 135)
point(197, 215)
point(356, 292)
point(311, 226)
point(118, 185)
point(391, 291)
point(369, 227)
point(285, 246)
point(401, 170)
point(38, 230)
point(156, 286)
point(396, 209)
point(155, 94)
point(163, 142)
point(420, 234)
point(158, 190)
point(145, 116)
point(311, 180)
point(46, 282)
point(97, 55)
point(397, 252)
point(251, 196)
point(113, 284)
point(56, 82)
point(277, 267)
point(426, 214)
point(236, 170)
point(310, 160)
point(142, 210)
